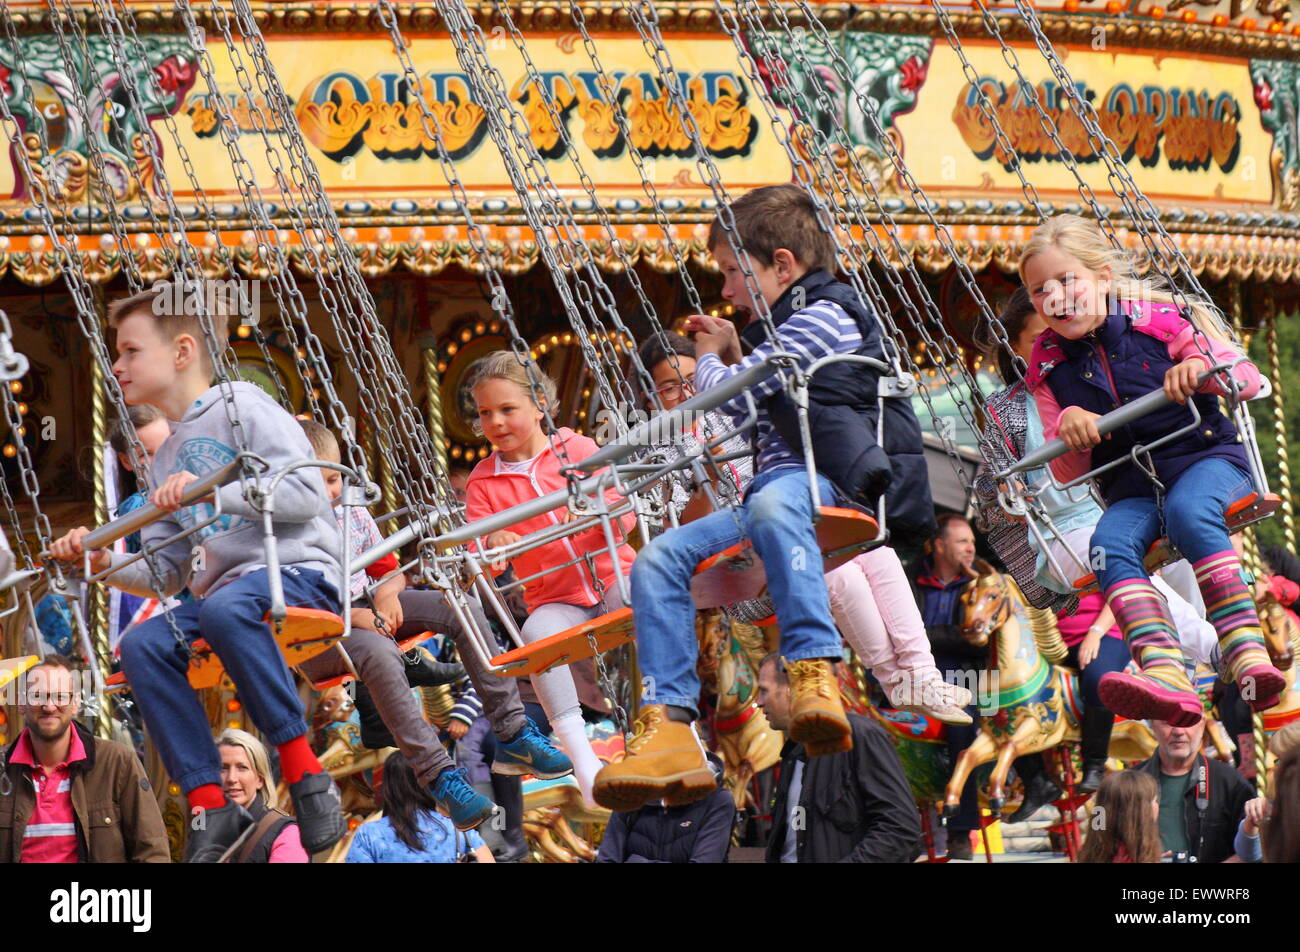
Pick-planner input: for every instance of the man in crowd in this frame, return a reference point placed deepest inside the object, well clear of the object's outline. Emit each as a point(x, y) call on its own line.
point(67, 796)
point(849, 807)
point(1202, 799)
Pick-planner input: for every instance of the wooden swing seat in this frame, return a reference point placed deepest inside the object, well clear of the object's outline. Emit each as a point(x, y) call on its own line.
point(306, 633)
point(736, 574)
point(12, 668)
point(572, 644)
point(1246, 511)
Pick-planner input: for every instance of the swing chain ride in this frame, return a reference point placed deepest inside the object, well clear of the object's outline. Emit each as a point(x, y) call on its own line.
point(450, 555)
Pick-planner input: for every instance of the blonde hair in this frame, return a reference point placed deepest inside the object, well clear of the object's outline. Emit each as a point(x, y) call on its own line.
point(504, 365)
point(323, 442)
point(1083, 239)
point(257, 757)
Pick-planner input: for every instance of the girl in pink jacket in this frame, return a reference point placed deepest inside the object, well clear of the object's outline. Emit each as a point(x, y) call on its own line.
point(525, 466)
point(1112, 337)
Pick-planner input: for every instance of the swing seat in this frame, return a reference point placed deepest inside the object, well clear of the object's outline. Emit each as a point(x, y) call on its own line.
point(572, 644)
point(347, 677)
point(1246, 511)
point(12, 668)
point(306, 633)
point(736, 574)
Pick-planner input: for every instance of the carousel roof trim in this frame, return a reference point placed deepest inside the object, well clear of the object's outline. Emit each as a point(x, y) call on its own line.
point(382, 249)
point(1123, 28)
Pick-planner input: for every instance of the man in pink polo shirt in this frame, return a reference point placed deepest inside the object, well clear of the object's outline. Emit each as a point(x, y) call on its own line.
point(66, 796)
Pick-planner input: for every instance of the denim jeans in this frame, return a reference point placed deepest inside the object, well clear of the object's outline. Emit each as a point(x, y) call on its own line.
point(1194, 508)
point(230, 619)
point(1112, 655)
point(777, 518)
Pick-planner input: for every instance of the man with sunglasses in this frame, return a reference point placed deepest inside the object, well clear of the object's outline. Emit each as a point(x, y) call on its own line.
point(67, 796)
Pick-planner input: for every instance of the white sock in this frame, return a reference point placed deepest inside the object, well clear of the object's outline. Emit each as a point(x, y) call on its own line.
point(572, 733)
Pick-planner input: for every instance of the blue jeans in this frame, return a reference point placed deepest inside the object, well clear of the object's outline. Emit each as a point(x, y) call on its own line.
point(1194, 508)
point(1112, 655)
point(777, 518)
point(230, 619)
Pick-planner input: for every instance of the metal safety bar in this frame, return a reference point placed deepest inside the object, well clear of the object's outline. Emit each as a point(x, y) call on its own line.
point(890, 387)
point(123, 526)
point(1142, 406)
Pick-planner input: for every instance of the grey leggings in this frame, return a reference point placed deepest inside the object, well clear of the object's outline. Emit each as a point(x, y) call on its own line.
point(380, 665)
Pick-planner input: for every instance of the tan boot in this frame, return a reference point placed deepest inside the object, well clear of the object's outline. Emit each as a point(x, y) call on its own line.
point(665, 761)
point(816, 715)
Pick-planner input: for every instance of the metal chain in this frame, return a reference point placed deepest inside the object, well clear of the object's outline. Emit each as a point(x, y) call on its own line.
point(353, 312)
point(942, 345)
point(597, 206)
point(130, 267)
point(191, 270)
point(614, 100)
point(68, 258)
point(645, 18)
point(854, 256)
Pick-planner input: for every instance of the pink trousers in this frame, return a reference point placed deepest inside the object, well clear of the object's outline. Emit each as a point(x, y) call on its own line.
point(873, 606)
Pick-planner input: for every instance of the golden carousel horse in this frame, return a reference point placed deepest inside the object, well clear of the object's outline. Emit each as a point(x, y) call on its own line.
point(730, 652)
point(1282, 638)
point(1029, 703)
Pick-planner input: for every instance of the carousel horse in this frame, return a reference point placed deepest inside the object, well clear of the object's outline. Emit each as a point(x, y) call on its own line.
point(1282, 638)
point(730, 652)
point(1035, 703)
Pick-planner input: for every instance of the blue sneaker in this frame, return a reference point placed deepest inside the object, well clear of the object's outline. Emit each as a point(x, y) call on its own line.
point(466, 806)
point(531, 753)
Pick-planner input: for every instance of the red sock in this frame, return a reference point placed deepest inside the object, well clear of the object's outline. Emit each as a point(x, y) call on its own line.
point(208, 796)
point(296, 759)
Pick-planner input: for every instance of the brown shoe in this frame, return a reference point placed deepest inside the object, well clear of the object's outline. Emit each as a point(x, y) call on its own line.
point(665, 761)
point(816, 716)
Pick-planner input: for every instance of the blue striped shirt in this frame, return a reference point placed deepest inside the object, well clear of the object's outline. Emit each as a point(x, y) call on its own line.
point(821, 329)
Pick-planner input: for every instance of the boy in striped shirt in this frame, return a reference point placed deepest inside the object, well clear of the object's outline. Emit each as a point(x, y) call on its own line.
point(793, 263)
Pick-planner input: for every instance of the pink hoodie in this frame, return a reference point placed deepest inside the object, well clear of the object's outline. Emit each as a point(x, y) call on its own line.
point(490, 490)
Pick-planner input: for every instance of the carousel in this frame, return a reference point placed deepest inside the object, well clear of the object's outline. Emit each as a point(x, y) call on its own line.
point(390, 191)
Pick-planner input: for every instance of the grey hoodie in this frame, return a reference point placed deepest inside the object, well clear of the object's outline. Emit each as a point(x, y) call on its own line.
point(203, 441)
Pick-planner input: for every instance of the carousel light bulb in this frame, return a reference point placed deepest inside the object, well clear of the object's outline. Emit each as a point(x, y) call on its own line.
point(233, 724)
point(16, 386)
point(480, 328)
point(10, 450)
point(243, 331)
point(455, 452)
point(22, 409)
point(452, 348)
point(465, 335)
point(442, 366)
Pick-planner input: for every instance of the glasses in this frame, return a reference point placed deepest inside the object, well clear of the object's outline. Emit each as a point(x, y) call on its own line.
point(681, 387)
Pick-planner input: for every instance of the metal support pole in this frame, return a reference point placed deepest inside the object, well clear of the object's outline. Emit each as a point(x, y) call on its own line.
point(99, 596)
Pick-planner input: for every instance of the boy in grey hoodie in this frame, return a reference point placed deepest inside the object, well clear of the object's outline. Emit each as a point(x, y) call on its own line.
point(163, 361)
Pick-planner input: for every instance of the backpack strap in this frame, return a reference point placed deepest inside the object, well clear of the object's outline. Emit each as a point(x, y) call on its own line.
point(270, 820)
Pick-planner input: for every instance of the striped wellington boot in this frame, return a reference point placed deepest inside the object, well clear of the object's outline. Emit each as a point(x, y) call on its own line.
point(1162, 691)
point(1230, 608)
